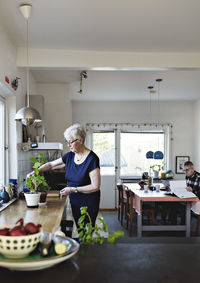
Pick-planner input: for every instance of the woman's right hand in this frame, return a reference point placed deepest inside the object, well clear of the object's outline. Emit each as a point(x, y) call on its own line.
point(30, 174)
point(66, 191)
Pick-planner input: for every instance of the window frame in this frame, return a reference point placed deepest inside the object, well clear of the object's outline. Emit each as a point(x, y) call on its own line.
point(145, 132)
point(132, 127)
point(4, 132)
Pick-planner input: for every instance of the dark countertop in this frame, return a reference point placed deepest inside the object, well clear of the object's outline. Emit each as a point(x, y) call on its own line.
point(121, 262)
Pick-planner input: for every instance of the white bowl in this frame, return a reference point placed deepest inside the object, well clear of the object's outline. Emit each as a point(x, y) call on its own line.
point(18, 246)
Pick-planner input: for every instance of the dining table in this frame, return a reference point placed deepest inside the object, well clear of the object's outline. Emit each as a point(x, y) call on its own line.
point(141, 196)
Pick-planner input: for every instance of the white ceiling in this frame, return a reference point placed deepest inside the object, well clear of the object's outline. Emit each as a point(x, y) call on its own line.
point(112, 25)
point(127, 85)
point(128, 25)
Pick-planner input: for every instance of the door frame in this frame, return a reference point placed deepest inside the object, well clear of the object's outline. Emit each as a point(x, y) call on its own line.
point(118, 128)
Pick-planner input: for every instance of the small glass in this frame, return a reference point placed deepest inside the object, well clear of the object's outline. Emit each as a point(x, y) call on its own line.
point(146, 188)
point(157, 188)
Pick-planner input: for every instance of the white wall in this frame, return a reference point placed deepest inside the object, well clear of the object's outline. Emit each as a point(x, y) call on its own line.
point(58, 115)
point(8, 68)
point(180, 114)
point(197, 135)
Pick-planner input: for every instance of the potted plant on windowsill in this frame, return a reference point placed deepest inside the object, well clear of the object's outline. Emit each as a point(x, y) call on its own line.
point(157, 168)
point(36, 183)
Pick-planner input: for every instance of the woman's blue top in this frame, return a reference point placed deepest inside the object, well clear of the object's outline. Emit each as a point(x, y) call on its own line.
point(77, 175)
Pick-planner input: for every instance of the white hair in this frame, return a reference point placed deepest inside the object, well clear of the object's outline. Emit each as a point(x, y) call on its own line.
point(75, 131)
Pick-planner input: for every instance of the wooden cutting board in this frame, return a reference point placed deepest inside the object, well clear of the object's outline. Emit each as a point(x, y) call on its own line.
point(53, 194)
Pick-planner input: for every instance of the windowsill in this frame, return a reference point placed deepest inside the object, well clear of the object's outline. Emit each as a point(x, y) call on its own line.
point(137, 179)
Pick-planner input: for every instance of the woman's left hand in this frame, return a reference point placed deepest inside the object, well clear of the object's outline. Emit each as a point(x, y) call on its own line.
point(66, 191)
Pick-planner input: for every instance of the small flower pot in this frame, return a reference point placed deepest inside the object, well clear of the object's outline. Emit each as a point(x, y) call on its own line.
point(32, 200)
point(155, 174)
point(43, 198)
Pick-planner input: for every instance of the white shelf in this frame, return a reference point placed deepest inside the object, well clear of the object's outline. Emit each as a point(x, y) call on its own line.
point(43, 146)
point(49, 145)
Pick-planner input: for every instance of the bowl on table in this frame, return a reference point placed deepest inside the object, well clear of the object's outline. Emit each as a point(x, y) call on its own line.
point(18, 246)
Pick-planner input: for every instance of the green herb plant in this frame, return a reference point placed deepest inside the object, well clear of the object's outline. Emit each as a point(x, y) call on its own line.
point(37, 182)
point(91, 235)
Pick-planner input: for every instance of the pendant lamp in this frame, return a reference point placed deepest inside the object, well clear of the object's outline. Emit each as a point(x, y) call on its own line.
point(158, 154)
point(150, 154)
point(27, 115)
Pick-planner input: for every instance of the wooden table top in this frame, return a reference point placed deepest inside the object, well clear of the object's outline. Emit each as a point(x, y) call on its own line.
point(49, 215)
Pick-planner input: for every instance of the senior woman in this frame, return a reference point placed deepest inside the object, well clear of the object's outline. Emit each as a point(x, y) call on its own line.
point(82, 173)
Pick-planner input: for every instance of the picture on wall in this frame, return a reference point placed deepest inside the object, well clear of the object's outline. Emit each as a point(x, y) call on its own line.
point(180, 160)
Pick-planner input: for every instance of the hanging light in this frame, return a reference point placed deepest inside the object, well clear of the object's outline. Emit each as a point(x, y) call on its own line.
point(158, 154)
point(83, 74)
point(150, 154)
point(27, 115)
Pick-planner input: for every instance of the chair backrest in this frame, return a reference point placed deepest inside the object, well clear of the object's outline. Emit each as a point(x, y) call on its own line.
point(127, 191)
point(129, 195)
point(120, 193)
point(119, 187)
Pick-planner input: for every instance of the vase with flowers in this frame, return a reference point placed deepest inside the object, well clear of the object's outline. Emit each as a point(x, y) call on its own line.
point(156, 168)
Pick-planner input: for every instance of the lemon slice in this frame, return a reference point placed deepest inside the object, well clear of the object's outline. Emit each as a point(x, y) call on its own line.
point(60, 248)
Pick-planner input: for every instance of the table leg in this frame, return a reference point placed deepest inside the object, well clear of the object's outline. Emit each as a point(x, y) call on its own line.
point(139, 225)
point(187, 218)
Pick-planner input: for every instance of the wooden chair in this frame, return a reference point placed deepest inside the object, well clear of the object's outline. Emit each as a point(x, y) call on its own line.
point(198, 224)
point(121, 203)
point(130, 210)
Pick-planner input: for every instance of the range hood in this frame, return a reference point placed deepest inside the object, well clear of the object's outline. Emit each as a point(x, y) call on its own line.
point(42, 146)
point(50, 145)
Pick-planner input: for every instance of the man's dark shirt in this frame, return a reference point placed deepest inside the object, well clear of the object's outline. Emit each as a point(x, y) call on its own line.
point(194, 183)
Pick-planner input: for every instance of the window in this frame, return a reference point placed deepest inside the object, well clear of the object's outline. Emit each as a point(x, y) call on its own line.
point(2, 142)
point(122, 148)
point(104, 147)
point(133, 151)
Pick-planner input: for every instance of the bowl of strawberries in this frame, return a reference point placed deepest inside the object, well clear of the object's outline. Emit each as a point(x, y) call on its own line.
point(19, 241)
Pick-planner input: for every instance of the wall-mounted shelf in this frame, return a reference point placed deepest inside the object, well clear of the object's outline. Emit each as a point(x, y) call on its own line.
point(43, 146)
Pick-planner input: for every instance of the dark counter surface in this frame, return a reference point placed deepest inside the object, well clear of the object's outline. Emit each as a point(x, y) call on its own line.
point(121, 262)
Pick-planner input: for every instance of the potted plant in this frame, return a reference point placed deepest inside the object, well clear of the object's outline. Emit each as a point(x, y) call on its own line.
point(36, 183)
point(157, 168)
point(89, 235)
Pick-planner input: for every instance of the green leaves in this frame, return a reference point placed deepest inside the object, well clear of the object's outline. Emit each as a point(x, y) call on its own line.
point(37, 182)
point(89, 235)
point(115, 235)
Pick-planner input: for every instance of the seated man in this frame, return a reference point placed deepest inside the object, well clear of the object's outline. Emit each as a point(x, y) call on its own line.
point(193, 184)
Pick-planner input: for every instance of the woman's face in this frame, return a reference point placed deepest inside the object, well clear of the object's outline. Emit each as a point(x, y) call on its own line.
point(74, 144)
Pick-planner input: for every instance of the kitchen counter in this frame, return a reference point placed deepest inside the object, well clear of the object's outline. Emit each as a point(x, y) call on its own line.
point(49, 216)
point(121, 262)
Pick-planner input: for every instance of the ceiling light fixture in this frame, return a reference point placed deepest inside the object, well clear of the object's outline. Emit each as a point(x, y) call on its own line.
point(149, 154)
point(158, 154)
point(27, 115)
point(83, 75)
